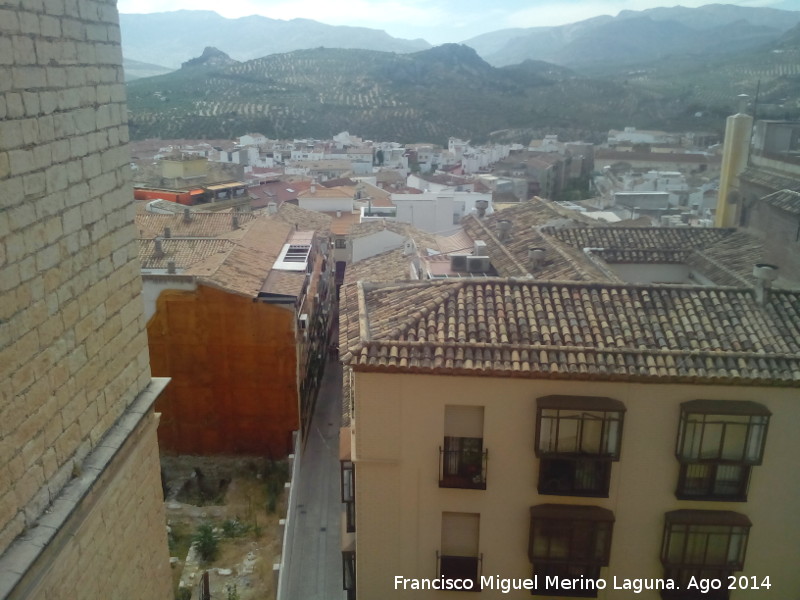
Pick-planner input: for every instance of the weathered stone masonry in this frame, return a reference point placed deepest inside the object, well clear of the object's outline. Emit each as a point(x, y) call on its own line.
point(77, 431)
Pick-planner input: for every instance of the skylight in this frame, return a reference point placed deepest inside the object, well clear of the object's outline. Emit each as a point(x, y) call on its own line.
point(293, 257)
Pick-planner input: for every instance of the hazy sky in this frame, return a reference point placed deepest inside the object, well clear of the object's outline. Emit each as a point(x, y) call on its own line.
point(437, 21)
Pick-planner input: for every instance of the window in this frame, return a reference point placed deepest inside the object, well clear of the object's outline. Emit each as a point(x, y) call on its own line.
point(703, 544)
point(462, 459)
point(459, 558)
point(349, 573)
point(569, 542)
point(718, 442)
point(348, 481)
point(340, 243)
point(577, 438)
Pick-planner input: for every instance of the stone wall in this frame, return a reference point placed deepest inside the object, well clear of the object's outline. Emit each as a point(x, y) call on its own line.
point(114, 544)
point(73, 347)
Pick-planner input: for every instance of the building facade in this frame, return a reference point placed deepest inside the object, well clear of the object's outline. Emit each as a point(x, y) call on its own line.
point(585, 439)
point(81, 507)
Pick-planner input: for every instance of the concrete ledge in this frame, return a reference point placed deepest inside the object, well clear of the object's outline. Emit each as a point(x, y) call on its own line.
point(32, 554)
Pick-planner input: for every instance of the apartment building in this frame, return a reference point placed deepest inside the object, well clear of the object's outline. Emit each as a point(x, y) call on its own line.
point(618, 404)
point(588, 439)
point(238, 310)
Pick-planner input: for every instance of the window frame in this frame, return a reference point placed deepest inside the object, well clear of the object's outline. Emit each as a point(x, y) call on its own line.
point(347, 474)
point(580, 411)
point(349, 574)
point(695, 527)
point(697, 417)
point(576, 521)
point(463, 565)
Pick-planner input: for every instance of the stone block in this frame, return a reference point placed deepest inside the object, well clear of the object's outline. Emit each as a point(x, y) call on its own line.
point(50, 26)
point(11, 135)
point(29, 23)
point(48, 100)
point(34, 184)
point(9, 21)
point(72, 29)
point(15, 108)
point(30, 131)
point(54, 7)
point(24, 52)
point(30, 100)
point(56, 179)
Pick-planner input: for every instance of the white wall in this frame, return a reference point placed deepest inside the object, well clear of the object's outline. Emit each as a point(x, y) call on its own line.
point(371, 245)
point(152, 288)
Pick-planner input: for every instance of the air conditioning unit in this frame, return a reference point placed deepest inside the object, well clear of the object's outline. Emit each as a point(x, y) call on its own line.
point(458, 262)
point(478, 264)
point(480, 249)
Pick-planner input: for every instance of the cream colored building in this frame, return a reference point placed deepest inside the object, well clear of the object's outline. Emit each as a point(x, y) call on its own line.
point(81, 505)
point(503, 429)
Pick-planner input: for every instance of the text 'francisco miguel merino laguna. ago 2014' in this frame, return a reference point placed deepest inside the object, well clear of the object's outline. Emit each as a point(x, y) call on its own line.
point(554, 584)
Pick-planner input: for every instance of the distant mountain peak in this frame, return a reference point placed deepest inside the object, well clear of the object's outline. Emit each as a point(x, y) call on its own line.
point(211, 57)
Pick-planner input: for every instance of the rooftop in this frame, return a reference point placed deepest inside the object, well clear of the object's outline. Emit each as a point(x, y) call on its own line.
point(575, 330)
point(197, 225)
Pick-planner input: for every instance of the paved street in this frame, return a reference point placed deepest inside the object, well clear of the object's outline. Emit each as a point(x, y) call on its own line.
point(315, 571)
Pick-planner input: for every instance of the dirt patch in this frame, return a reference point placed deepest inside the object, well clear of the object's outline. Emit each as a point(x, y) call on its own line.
point(247, 498)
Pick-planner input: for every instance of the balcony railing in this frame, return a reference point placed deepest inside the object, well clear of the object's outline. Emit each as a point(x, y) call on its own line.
point(463, 468)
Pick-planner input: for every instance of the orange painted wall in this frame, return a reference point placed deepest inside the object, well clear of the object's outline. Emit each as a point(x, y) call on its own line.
point(233, 366)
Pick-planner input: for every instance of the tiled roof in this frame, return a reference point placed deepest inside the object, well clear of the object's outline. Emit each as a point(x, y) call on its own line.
point(393, 265)
point(601, 154)
point(523, 328)
point(200, 225)
point(510, 259)
point(768, 179)
point(245, 268)
point(309, 220)
point(183, 252)
point(639, 238)
point(321, 193)
point(422, 238)
point(785, 200)
point(730, 260)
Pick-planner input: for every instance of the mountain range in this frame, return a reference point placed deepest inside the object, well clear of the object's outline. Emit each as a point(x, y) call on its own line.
point(450, 90)
point(171, 38)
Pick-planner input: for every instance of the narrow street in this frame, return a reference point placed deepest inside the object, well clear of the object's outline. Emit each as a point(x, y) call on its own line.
point(315, 569)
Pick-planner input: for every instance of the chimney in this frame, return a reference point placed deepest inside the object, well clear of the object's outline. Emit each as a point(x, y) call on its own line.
point(171, 267)
point(764, 274)
point(535, 257)
point(167, 233)
point(481, 206)
point(235, 221)
point(272, 208)
point(503, 230)
point(187, 215)
point(159, 250)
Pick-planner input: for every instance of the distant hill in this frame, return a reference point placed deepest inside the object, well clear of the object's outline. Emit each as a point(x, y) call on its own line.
point(172, 38)
point(425, 96)
point(635, 36)
point(136, 70)
point(211, 57)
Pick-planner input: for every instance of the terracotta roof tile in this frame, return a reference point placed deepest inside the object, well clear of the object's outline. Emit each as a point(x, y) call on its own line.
point(785, 200)
point(393, 265)
point(638, 238)
point(510, 259)
point(200, 225)
point(183, 252)
point(309, 220)
point(535, 329)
